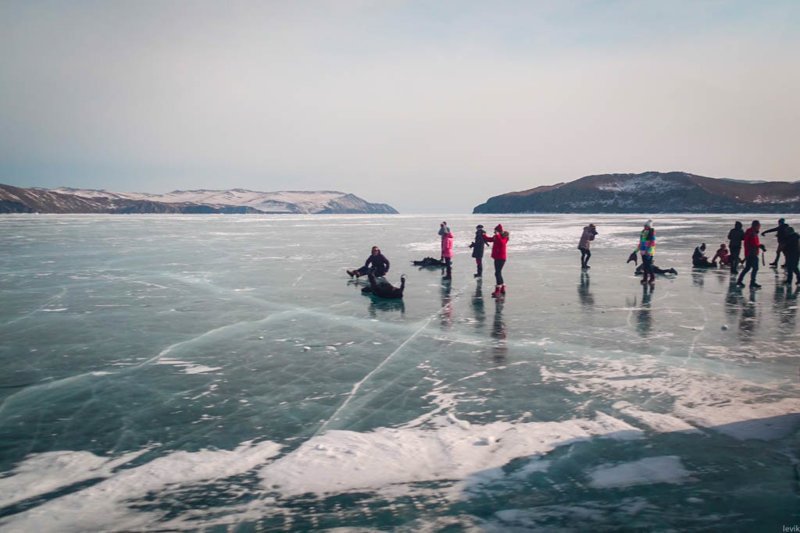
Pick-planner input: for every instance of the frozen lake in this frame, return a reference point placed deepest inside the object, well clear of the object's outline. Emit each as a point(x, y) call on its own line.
point(179, 372)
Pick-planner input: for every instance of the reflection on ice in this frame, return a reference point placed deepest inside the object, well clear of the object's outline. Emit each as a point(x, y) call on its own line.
point(218, 373)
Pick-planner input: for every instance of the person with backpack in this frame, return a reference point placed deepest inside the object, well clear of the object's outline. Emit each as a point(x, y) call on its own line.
point(589, 233)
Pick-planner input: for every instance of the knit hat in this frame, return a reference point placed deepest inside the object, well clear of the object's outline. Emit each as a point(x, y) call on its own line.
point(499, 228)
point(648, 224)
point(479, 226)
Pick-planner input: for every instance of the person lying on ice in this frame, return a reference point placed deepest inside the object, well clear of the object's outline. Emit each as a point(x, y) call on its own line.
point(384, 289)
point(659, 271)
point(428, 262)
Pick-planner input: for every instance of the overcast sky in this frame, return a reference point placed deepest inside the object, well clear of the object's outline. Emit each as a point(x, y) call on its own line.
point(428, 106)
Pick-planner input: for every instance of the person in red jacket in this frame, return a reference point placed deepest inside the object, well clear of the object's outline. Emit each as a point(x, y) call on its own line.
point(499, 244)
point(751, 247)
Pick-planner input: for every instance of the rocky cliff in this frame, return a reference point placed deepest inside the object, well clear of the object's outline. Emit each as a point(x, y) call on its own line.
point(651, 192)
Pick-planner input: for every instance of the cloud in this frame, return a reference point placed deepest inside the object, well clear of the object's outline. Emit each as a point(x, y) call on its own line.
point(384, 99)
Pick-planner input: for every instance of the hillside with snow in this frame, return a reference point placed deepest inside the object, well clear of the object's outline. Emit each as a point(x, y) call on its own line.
point(651, 192)
point(69, 200)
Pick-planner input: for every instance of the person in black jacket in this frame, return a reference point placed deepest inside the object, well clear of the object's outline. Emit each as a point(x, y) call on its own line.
point(791, 250)
point(735, 237)
point(376, 264)
point(477, 249)
point(384, 289)
point(699, 259)
point(780, 229)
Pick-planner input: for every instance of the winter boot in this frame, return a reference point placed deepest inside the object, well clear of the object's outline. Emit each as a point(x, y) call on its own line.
point(496, 292)
point(503, 289)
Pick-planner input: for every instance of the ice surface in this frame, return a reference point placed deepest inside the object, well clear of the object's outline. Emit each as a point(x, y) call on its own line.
point(186, 372)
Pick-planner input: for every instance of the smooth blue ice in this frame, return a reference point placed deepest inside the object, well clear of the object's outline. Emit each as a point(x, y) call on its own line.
point(184, 372)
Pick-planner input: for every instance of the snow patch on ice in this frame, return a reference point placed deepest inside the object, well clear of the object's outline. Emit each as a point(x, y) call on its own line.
point(188, 367)
point(340, 461)
point(665, 469)
point(103, 506)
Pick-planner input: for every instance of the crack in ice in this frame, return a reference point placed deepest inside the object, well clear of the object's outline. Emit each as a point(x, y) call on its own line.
point(397, 350)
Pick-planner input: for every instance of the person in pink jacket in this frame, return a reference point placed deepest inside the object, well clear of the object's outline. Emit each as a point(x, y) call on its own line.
point(500, 254)
point(447, 249)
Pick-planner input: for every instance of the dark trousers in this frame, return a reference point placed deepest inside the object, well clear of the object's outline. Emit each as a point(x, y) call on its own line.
point(479, 264)
point(647, 267)
point(448, 265)
point(791, 267)
point(735, 258)
point(585, 255)
point(750, 264)
point(498, 270)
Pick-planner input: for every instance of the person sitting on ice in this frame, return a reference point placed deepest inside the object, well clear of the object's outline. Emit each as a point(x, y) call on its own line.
point(723, 254)
point(699, 259)
point(660, 271)
point(383, 289)
point(376, 264)
point(428, 262)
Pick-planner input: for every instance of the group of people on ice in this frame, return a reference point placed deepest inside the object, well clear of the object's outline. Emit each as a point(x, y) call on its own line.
point(788, 245)
point(738, 238)
point(377, 265)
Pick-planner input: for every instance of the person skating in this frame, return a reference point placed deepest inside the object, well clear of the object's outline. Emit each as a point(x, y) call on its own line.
point(780, 230)
point(723, 255)
point(791, 249)
point(647, 249)
point(699, 259)
point(735, 237)
point(751, 247)
point(500, 254)
point(589, 233)
point(376, 264)
point(384, 289)
point(477, 249)
point(447, 253)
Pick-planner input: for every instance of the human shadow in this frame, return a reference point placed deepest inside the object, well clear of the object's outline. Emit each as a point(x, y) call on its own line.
point(383, 305)
point(785, 307)
point(446, 311)
point(585, 295)
point(644, 315)
point(478, 305)
point(699, 276)
point(499, 332)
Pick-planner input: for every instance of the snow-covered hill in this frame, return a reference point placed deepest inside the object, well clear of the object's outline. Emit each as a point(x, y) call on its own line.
point(651, 192)
point(70, 200)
